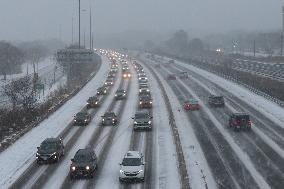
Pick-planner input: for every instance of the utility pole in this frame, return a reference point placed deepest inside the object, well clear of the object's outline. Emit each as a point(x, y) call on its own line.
point(90, 27)
point(72, 30)
point(92, 41)
point(79, 24)
point(84, 38)
point(254, 48)
point(281, 45)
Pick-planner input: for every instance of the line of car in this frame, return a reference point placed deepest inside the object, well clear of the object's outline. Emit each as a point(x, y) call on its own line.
point(237, 121)
point(85, 162)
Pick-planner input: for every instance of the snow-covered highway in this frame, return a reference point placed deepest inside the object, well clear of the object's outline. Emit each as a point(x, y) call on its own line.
point(184, 149)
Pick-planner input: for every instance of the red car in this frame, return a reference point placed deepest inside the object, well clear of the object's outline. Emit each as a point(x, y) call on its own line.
point(172, 77)
point(191, 104)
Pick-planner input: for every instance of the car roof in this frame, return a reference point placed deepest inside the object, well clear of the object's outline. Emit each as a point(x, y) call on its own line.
point(240, 113)
point(133, 154)
point(85, 151)
point(51, 140)
point(194, 101)
point(142, 112)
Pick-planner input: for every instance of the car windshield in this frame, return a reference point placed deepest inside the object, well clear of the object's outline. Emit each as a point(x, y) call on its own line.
point(109, 114)
point(120, 91)
point(131, 162)
point(141, 116)
point(81, 115)
point(218, 98)
point(80, 158)
point(242, 117)
point(46, 146)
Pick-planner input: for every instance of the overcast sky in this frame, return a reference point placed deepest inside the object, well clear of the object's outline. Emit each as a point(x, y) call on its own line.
point(41, 19)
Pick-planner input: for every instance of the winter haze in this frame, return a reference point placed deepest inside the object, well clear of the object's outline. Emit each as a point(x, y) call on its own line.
point(40, 19)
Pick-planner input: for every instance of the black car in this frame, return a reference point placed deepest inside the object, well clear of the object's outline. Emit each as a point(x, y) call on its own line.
point(83, 164)
point(93, 102)
point(120, 94)
point(145, 101)
point(102, 91)
point(109, 118)
point(50, 150)
point(240, 121)
point(216, 101)
point(82, 118)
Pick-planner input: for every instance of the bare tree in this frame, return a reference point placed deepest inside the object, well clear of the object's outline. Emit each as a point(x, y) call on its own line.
point(21, 92)
point(11, 58)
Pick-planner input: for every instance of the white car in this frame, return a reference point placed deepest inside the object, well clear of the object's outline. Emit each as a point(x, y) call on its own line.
point(132, 167)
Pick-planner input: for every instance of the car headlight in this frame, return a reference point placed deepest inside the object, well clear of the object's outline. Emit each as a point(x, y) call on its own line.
point(129, 75)
point(87, 167)
point(140, 90)
point(115, 95)
point(135, 122)
point(149, 122)
point(113, 119)
point(121, 171)
point(54, 153)
point(103, 119)
point(104, 91)
point(88, 103)
point(151, 102)
point(75, 120)
point(96, 103)
point(105, 83)
point(140, 102)
point(86, 120)
point(37, 154)
point(73, 168)
point(140, 171)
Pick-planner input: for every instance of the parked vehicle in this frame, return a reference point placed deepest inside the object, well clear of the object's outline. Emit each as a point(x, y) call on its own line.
point(83, 164)
point(50, 150)
point(240, 121)
point(132, 167)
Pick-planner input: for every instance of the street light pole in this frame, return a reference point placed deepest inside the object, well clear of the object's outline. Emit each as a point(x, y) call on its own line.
point(90, 27)
point(79, 24)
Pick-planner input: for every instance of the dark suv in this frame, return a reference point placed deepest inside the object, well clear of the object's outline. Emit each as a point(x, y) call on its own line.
point(109, 118)
point(83, 164)
point(216, 101)
point(240, 121)
point(50, 150)
point(120, 94)
point(82, 118)
point(93, 102)
point(102, 91)
point(142, 120)
point(145, 101)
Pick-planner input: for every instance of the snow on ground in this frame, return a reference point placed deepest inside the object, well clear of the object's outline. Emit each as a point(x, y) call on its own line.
point(166, 164)
point(110, 173)
point(242, 155)
point(270, 109)
point(15, 159)
point(196, 163)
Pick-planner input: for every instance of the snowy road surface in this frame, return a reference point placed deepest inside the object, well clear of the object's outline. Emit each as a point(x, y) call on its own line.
point(183, 150)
